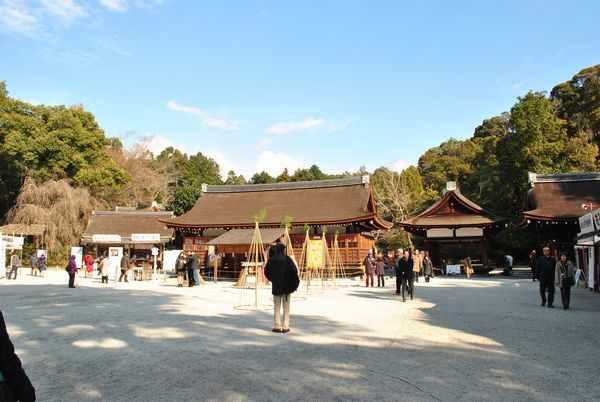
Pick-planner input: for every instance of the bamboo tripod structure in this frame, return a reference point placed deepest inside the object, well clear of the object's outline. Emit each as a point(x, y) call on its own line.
point(337, 263)
point(257, 259)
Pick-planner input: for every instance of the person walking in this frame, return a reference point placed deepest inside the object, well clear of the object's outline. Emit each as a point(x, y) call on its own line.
point(532, 264)
point(14, 383)
point(417, 265)
point(427, 267)
point(403, 275)
point(181, 269)
point(124, 267)
point(564, 278)
point(283, 275)
point(103, 268)
point(369, 263)
point(380, 271)
point(15, 264)
point(411, 276)
point(545, 269)
point(88, 261)
point(72, 270)
point(468, 265)
point(41, 265)
point(33, 263)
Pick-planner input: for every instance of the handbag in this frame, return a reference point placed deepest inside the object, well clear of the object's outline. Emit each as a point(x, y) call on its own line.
point(568, 281)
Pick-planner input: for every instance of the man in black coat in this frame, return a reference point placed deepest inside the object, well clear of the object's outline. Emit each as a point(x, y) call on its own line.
point(14, 383)
point(283, 274)
point(546, 265)
point(404, 274)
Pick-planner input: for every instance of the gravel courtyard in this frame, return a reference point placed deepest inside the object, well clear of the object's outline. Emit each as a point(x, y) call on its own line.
point(483, 339)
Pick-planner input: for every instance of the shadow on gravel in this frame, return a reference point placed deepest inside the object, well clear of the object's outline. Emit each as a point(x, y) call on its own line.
point(120, 344)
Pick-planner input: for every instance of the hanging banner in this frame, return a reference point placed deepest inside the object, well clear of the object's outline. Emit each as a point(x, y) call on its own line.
point(586, 223)
point(315, 254)
point(78, 253)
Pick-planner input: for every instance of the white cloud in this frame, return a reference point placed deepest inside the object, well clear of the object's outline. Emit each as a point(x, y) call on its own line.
point(154, 143)
point(115, 5)
point(399, 165)
point(517, 85)
point(18, 18)
point(206, 118)
point(274, 163)
point(262, 143)
point(310, 124)
point(65, 10)
point(225, 165)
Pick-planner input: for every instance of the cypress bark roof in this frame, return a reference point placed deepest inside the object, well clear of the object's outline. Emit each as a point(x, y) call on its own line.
point(454, 210)
point(126, 223)
point(559, 196)
point(324, 202)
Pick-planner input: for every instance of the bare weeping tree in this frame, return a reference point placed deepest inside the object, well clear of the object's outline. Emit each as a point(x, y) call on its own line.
point(64, 210)
point(399, 196)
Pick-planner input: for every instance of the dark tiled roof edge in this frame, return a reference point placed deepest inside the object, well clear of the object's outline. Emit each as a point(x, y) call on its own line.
point(134, 213)
point(350, 181)
point(562, 177)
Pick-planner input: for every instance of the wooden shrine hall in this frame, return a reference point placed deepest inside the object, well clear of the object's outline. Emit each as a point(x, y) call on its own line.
point(219, 217)
point(556, 201)
point(454, 219)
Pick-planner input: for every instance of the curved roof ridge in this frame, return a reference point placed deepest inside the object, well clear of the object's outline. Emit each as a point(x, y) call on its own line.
point(348, 181)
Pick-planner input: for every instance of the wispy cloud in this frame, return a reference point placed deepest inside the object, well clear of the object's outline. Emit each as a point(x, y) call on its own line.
point(216, 120)
point(560, 54)
point(263, 142)
point(115, 5)
point(309, 124)
point(517, 85)
point(18, 18)
point(399, 165)
point(113, 45)
point(66, 11)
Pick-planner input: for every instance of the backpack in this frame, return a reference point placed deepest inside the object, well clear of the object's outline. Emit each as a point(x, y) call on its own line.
point(292, 280)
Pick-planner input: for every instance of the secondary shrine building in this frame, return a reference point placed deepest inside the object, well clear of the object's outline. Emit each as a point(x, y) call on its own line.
point(220, 220)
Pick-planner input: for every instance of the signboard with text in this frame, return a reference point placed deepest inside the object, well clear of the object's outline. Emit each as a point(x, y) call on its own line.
point(145, 237)
point(106, 238)
point(586, 223)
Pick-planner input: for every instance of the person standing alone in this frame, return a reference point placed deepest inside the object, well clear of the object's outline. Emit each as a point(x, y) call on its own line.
point(15, 264)
point(283, 274)
point(369, 268)
point(124, 266)
point(380, 271)
point(545, 268)
point(564, 279)
point(404, 273)
point(72, 270)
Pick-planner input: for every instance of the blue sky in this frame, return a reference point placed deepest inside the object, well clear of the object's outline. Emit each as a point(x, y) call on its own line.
point(260, 85)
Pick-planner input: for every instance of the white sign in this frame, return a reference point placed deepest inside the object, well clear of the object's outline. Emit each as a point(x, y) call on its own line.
point(78, 253)
point(114, 259)
point(586, 223)
point(140, 237)
point(596, 218)
point(170, 259)
point(106, 238)
point(154, 251)
point(13, 242)
point(42, 253)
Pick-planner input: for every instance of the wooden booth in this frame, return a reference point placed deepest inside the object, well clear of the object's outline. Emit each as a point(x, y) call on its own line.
point(139, 233)
point(454, 219)
point(344, 206)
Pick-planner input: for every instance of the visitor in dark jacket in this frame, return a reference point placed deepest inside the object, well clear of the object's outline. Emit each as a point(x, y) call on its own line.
point(283, 274)
point(193, 267)
point(14, 383)
point(380, 271)
point(404, 274)
point(545, 268)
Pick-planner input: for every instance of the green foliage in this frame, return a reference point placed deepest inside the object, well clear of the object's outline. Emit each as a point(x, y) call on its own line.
point(287, 222)
point(233, 179)
point(260, 216)
point(262, 178)
point(310, 174)
point(284, 176)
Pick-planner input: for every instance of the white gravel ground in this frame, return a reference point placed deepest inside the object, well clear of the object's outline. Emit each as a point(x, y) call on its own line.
point(483, 339)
